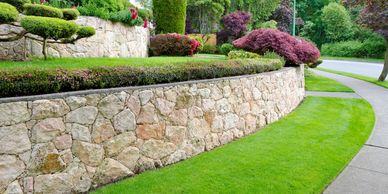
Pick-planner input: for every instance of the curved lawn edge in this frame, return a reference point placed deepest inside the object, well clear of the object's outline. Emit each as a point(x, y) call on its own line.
point(318, 83)
point(302, 153)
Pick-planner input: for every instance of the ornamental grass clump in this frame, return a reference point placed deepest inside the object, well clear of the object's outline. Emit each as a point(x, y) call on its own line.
point(173, 45)
point(295, 51)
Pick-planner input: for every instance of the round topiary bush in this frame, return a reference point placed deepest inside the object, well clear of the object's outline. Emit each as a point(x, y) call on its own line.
point(42, 10)
point(170, 16)
point(70, 14)
point(52, 28)
point(294, 50)
point(8, 13)
point(85, 32)
point(19, 4)
point(226, 48)
point(173, 45)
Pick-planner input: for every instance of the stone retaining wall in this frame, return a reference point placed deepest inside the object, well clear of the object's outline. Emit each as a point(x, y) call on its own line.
point(110, 40)
point(74, 142)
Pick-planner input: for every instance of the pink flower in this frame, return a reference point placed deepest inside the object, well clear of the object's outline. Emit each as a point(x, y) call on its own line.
point(145, 23)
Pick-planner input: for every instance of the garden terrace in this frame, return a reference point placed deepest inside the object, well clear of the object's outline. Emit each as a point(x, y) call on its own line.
point(62, 75)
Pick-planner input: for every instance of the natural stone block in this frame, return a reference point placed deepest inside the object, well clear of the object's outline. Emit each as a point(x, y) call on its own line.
point(145, 96)
point(147, 115)
point(10, 169)
point(14, 188)
point(154, 131)
point(124, 121)
point(75, 102)
point(110, 170)
point(90, 154)
point(53, 183)
point(102, 130)
point(116, 144)
point(157, 149)
point(48, 129)
point(14, 113)
point(129, 157)
point(165, 107)
point(179, 117)
point(79, 132)
point(84, 116)
point(14, 139)
point(63, 142)
point(176, 134)
point(49, 108)
point(110, 106)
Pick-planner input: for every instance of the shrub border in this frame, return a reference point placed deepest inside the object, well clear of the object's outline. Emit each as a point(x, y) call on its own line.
point(118, 89)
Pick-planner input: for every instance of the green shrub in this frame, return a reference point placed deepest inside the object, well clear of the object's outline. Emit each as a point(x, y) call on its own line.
point(52, 28)
point(85, 32)
point(369, 48)
point(145, 14)
point(8, 13)
point(108, 5)
point(93, 10)
point(337, 22)
point(19, 4)
point(272, 24)
point(210, 49)
point(70, 14)
point(273, 55)
point(226, 48)
point(22, 83)
point(42, 10)
point(125, 17)
point(242, 55)
point(170, 16)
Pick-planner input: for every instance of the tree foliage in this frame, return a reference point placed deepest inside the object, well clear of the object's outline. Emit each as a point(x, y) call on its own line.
point(205, 14)
point(337, 22)
point(283, 16)
point(170, 16)
point(261, 10)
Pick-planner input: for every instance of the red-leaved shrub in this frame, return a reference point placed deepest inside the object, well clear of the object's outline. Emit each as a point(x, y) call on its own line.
point(294, 50)
point(173, 45)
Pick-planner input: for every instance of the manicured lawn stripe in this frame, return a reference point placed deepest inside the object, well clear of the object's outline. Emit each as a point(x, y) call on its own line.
point(302, 153)
point(322, 84)
point(356, 76)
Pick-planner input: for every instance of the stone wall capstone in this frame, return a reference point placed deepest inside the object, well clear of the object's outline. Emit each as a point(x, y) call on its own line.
point(73, 143)
point(111, 40)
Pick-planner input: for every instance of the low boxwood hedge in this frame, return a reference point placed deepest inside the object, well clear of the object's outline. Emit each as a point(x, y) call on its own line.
point(8, 13)
point(19, 4)
point(19, 83)
point(70, 14)
point(49, 27)
point(42, 10)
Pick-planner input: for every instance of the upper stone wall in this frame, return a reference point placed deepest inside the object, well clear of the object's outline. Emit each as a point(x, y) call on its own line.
point(70, 143)
point(111, 40)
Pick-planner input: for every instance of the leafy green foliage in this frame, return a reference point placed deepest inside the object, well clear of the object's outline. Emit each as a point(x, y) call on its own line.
point(226, 48)
point(170, 16)
point(145, 14)
point(242, 55)
point(273, 55)
point(102, 8)
point(355, 48)
point(272, 24)
point(125, 17)
point(337, 22)
point(210, 49)
point(19, 4)
point(42, 10)
point(70, 14)
point(86, 31)
point(8, 13)
point(260, 9)
point(205, 14)
point(52, 28)
point(42, 81)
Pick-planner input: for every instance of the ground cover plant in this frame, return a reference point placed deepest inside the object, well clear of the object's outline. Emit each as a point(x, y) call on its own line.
point(25, 81)
point(298, 154)
point(318, 83)
point(360, 77)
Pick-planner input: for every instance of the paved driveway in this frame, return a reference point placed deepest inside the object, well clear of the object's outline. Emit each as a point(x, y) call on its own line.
point(361, 68)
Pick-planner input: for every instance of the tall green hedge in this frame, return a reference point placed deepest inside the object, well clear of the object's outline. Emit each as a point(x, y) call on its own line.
point(170, 16)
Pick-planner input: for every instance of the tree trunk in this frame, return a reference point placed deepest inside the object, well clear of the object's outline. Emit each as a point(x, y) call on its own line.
point(384, 74)
point(44, 50)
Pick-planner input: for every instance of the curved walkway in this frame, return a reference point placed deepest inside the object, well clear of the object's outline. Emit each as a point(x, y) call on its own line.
point(368, 171)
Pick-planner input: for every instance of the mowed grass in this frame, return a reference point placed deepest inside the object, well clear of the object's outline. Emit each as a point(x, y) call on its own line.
point(84, 63)
point(372, 80)
point(318, 83)
point(301, 153)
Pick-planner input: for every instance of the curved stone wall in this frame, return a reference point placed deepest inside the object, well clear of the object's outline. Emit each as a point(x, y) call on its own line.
point(110, 40)
point(73, 142)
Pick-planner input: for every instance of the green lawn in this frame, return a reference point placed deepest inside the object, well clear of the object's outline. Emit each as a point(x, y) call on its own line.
point(373, 60)
point(302, 153)
point(322, 84)
point(361, 77)
point(82, 63)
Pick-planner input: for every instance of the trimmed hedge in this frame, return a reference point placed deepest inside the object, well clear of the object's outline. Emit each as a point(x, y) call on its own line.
point(242, 55)
point(70, 14)
point(85, 32)
point(42, 10)
point(53, 81)
point(173, 45)
point(226, 48)
point(354, 48)
point(53, 28)
point(170, 16)
point(19, 4)
point(8, 13)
